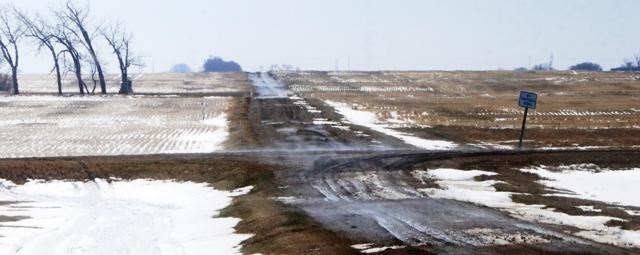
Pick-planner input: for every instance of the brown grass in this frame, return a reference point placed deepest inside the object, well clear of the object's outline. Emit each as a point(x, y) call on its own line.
point(482, 106)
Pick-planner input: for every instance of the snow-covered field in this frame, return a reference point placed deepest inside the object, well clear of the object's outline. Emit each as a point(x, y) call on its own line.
point(461, 185)
point(50, 126)
point(117, 217)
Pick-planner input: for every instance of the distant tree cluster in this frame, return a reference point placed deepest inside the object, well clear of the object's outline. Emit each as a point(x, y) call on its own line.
point(70, 38)
point(586, 66)
point(543, 67)
point(217, 64)
point(181, 68)
point(632, 65)
point(629, 65)
point(283, 67)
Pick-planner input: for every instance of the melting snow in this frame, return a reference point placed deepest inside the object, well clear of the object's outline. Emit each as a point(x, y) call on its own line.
point(121, 217)
point(588, 208)
point(367, 248)
point(369, 120)
point(460, 185)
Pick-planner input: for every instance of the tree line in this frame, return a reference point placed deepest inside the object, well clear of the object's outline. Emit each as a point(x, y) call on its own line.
point(70, 39)
point(632, 65)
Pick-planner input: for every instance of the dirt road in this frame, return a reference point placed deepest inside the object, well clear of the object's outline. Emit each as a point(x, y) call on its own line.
point(283, 121)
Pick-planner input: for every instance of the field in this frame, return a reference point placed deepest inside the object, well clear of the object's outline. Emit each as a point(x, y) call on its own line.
point(155, 83)
point(480, 108)
point(49, 126)
point(323, 163)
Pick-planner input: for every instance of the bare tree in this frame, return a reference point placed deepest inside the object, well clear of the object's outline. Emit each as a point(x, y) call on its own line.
point(11, 31)
point(63, 37)
point(94, 78)
point(78, 18)
point(120, 42)
point(38, 29)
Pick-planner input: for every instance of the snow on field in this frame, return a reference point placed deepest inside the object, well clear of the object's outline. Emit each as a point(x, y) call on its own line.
point(121, 217)
point(592, 183)
point(369, 120)
point(50, 126)
point(461, 185)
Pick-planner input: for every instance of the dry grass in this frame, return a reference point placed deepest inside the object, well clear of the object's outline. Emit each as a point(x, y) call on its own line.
point(482, 106)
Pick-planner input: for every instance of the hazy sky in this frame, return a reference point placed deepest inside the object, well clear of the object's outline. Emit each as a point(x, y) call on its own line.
point(400, 34)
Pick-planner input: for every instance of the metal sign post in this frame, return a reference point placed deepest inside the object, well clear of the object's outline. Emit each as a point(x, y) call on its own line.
point(527, 100)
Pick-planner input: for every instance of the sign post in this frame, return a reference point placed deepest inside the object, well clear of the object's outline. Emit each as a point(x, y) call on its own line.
point(527, 100)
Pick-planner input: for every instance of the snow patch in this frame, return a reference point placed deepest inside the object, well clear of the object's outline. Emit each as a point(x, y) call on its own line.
point(592, 183)
point(368, 248)
point(588, 208)
point(369, 120)
point(121, 217)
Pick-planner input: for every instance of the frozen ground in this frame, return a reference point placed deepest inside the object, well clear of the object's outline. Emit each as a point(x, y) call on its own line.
point(51, 126)
point(118, 217)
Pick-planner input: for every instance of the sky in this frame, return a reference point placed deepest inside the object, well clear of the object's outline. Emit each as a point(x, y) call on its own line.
point(364, 35)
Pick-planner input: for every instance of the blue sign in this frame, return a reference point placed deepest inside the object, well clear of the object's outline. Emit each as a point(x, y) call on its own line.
point(528, 99)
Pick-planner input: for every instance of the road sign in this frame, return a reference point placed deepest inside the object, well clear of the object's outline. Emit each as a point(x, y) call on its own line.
point(528, 99)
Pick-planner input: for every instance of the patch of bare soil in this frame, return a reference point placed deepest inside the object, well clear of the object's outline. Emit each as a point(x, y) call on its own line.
point(277, 228)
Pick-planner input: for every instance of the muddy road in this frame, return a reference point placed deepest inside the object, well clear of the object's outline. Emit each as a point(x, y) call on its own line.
point(373, 197)
point(360, 184)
